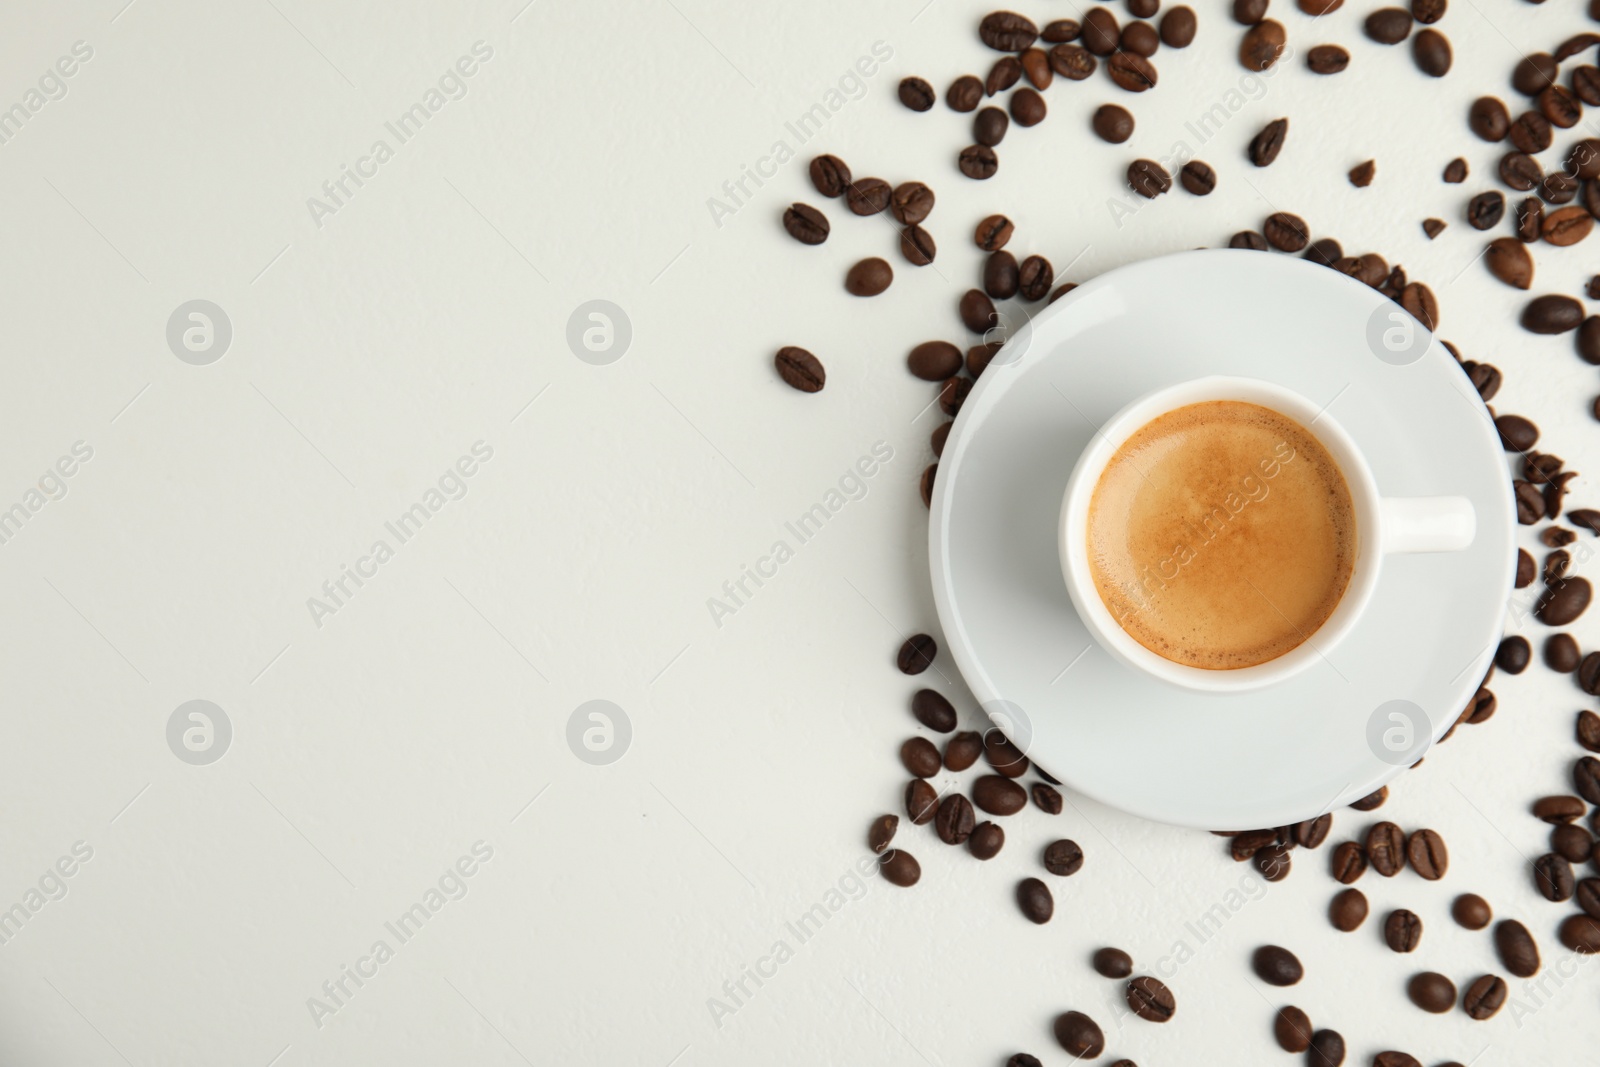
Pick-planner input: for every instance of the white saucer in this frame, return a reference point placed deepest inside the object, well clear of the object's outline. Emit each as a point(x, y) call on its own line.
point(1225, 762)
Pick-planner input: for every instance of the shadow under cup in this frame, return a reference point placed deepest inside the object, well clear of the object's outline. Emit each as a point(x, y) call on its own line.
point(1381, 526)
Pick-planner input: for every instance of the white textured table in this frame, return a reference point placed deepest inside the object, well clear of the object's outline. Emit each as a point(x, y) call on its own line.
point(417, 719)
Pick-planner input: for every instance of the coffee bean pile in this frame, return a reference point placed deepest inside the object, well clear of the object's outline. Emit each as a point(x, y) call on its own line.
point(1031, 59)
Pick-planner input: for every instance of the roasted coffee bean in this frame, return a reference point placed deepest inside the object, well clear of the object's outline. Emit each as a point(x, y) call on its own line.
point(1428, 12)
point(922, 800)
point(920, 757)
point(1471, 911)
point(1559, 107)
point(916, 655)
point(1588, 339)
point(1007, 31)
point(1247, 844)
point(1273, 862)
point(1489, 119)
point(1022, 1059)
point(1327, 1049)
point(1061, 30)
point(1513, 654)
point(998, 795)
point(1148, 178)
point(1561, 653)
point(1248, 239)
point(1530, 219)
point(1276, 966)
point(1432, 992)
point(1507, 259)
point(1286, 232)
point(1455, 171)
point(1430, 50)
point(989, 126)
point(1362, 173)
point(1427, 855)
point(1402, 930)
point(1144, 9)
point(1035, 277)
point(1319, 7)
point(881, 832)
point(1567, 226)
point(1564, 603)
point(1249, 12)
point(1100, 31)
point(900, 867)
point(962, 750)
point(806, 224)
point(954, 820)
point(1484, 996)
point(1485, 378)
point(1063, 857)
point(986, 841)
point(934, 361)
point(1580, 933)
point(1292, 1028)
point(1327, 59)
point(1585, 518)
point(1586, 84)
point(1131, 71)
point(1572, 843)
point(1517, 434)
point(1520, 171)
point(1433, 227)
point(953, 393)
point(1047, 798)
point(1001, 276)
point(1372, 800)
point(1419, 300)
point(1348, 909)
point(917, 246)
point(1073, 62)
point(1079, 1035)
point(911, 202)
point(1036, 68)
point(1388, 25)
point(1587, 895)
point(977, 311)
point(1262, 45)
point(1348, 862)
point(1552, 314)
point(1027, 108)
point(868, 196)
point(1034, 898)
point(1557, 810)
point(993, 233)
point(1266, 145)
point(978, 162)
point(1535, 73)
point(916, 94)
point(979, 356)
point(1552, 877)
point(1386, 849)
point(1005, 757)
point(1150, 999)
point(1516, 948)
point(1112, 124)
point(1112, 963)
point(800, 369)
point(1558, 188)
point(1530, 132)
point(869, 277)
point(1588, 728)
point(1530, 503)
point(1313, 832)
point(830, 175)
point(1177, 27)
point(1578, 43)
point(1141, 39)
point(964, 94)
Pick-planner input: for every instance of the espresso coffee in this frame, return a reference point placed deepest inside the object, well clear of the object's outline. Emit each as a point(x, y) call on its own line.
point(1221, 535)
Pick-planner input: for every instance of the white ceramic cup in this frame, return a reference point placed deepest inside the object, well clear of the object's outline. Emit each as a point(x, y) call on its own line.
point(1383, 525)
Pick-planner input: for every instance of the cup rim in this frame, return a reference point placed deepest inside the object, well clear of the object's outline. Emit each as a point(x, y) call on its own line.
point(1073, 539)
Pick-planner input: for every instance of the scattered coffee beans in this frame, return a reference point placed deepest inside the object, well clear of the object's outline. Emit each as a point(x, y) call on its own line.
point(1276, 966)
point(1402, 930)
point(920, 758)
point(881, 832)
point(1292, 1028)
point(900, 867)
point(1348, 910)
point(1112, 963)
point(800, 369)
point(917, 654)
point(1432, 992)
point(1484, 996)
point(1471, 911)
point(1034, 898)
point(1079, 1035)
point(986, 840)
point(1266, 145)
point(916, 94)
point(997, 795)
point(1386, 849)
point(1063, 858)
point(1150, 999)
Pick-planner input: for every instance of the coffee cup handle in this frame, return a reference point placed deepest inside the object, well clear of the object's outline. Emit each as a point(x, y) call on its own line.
point(1427, 523)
